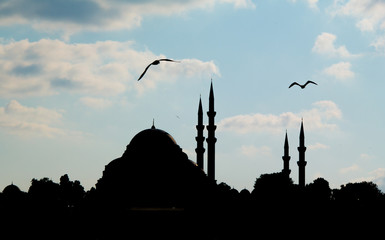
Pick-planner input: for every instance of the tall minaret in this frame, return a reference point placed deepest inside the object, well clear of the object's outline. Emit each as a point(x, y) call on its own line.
point(200, 138)
point(301, 162)
point(286, 158)
point(211, 137)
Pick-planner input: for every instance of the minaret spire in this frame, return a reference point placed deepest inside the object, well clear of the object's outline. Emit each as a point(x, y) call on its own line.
point(200, 138)
point(211, 140)
point(301, 162)
point(286, 158)
point(302, 135)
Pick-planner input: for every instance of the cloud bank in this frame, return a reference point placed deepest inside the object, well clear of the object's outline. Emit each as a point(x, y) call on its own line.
point(370, 14)
point(108, 68)
point(71, 16)
point(23, 121)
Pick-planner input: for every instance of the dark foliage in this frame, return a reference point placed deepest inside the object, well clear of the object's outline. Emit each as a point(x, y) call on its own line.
point(273, 187)
point(275, 202)
point(363, 191)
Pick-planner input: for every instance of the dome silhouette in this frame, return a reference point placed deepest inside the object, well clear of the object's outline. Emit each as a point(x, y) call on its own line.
point(11, 190)
point(152, 138)
point(153, 171)
point(153, 144)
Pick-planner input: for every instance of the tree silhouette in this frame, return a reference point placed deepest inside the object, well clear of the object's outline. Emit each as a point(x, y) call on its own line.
point(273, 187)
point(362, 191)
point(319, 190)
point(70, 192)
point(44, 190)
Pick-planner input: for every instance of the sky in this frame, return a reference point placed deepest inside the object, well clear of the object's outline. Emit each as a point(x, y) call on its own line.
point(70, 101)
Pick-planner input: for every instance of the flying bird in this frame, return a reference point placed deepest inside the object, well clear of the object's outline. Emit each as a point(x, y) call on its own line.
point(302, 86)
point(156, 62)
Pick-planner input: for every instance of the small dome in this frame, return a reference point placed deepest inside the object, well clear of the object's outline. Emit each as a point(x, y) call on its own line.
point(11, 189)
point(245, 192)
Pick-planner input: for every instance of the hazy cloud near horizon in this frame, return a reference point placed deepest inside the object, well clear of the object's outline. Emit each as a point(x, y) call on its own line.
point(322, 116)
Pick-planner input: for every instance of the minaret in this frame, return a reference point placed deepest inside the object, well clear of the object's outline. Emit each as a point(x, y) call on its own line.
point(211, 137)
point(301, 162)
point(200, 138)
point(286, 158)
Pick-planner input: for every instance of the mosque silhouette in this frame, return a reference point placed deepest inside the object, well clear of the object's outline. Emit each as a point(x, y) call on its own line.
point(154, 171)
point(154, 190)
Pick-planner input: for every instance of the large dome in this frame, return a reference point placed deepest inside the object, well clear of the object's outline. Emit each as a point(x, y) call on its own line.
point(152, 144)
point(152, 138)
point(153, 171)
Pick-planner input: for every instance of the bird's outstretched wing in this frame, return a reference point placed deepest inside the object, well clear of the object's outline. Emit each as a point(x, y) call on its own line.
point(145, 70)
point(294, 83)
point(310, 82)
point(168, 60)
point(156, 62)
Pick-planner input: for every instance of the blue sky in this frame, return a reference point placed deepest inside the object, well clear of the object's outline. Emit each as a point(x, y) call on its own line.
point(70, 102)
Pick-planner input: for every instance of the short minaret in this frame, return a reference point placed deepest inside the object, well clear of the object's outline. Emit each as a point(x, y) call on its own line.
point(200, 138)
point(211, 140)
point(301, 162)
point(286, 158)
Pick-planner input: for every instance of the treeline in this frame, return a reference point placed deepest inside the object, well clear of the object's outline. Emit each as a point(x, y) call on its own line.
point(268, 187)
point(279, 186)
point(64, 210)
point(45, 193)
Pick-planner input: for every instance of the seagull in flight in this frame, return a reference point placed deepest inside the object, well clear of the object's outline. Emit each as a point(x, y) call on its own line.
point(302, 86)
point(156, 62)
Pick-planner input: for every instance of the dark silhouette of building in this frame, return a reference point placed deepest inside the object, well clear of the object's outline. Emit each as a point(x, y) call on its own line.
point(211, 140)
point(200, 150)
point(154, 191)
point(152, 172)
point(13, 198)
point(301, 162)
point(286, 158)
point(11, 190)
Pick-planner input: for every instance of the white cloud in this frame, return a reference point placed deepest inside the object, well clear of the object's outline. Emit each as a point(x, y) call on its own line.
point(311, 3)
point(378, 177)
point(379, 44)
point(25, 121)
point(370, 14)
point(352, 168)
point(317, 146)
point(253, 151)
point(317, 118)
point(365, 25)
point(259, 122)
point(341, 70)
point(366, 157)
point(71, 16)
point(324, 44)
point(108, 68)
point(240, 3)
point(96, 103)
